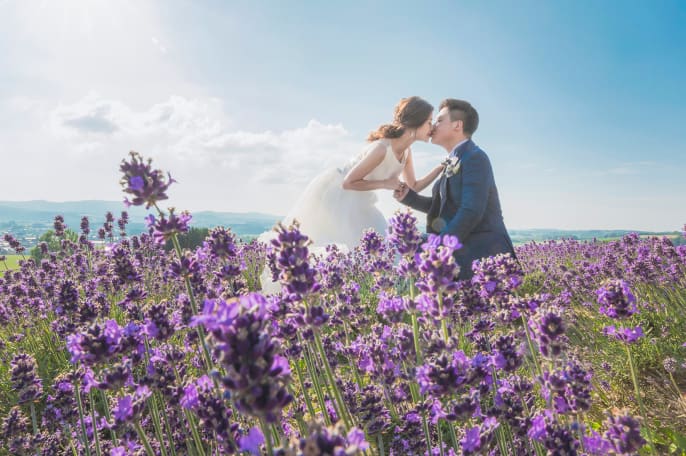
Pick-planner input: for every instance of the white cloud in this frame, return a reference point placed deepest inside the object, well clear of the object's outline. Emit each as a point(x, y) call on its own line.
point(158, 44)
point(192, 138)
point(198, 132)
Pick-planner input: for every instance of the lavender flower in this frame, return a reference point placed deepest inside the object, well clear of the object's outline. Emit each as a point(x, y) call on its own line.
point(25, 379)
point(163, 229)
point(221, 243)
point(292, 260)
point(669, 364)
point(129, 407)
point(371, 243)
point(124, 266)
point(437, 265)
point(256, 374)
point(85, 226)
point(252, 441)
point(393, 308)
point(14, 243)
point(548, 328)
point(497, 275)
point(626, 335)
point(14, 433)
point(624, 434)
point(478, 437)
point(145, 184)
point(98, 343)
point(402, 233)
point(616, 300)
point(332, 440)
point(443, 375)
point(59, 226)
point(506, 355)
point(556, 437)
point(568, 389)
point(122, 222)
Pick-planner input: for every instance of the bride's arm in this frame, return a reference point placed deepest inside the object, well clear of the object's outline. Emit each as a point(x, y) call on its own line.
point(354, 180)
point(418, 184)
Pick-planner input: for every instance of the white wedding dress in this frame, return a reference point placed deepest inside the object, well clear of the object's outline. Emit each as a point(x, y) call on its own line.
point(328, 214)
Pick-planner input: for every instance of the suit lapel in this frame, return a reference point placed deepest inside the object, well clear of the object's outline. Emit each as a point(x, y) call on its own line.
point(442, 186)
point(459, 153)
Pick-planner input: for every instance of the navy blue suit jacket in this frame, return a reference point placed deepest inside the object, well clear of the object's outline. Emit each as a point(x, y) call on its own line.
point(470, 209)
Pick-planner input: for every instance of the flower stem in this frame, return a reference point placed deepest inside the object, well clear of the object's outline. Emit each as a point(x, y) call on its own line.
point(379, 440)
point(298, 371)
point(453, 436)
point(416, 395)
point(315, 383)
point(444, 324)
point(267, 437)
point(144, 438)
point(531, 346)
point(103, 397)
point(170, 435)
point(345, 414)
point(86, 443)
point(94, 423)
point(191, 422)
point(637, 392)
point(33, 419)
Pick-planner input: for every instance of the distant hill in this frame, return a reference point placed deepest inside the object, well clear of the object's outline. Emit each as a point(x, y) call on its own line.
point(35, 217)
point(40, 215)
point(541, 234)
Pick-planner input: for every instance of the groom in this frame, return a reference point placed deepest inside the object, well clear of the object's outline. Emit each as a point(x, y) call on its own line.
point(464, 201)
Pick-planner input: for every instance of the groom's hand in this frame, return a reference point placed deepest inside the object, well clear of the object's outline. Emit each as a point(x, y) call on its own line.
point(400, 193)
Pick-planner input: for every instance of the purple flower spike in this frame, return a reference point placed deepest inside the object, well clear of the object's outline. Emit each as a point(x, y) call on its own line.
point(164, 228)
point(147, 186)
point(478, 437)
point(221, 243)
point(332, 440)
point(627, 335)
point(257, 376)
point(25, 379)
point(616, 300)
point(402, 233)
point(624, 434)
point(437, 267)
point(292, 260)
point(252, 441)
point(128, 408)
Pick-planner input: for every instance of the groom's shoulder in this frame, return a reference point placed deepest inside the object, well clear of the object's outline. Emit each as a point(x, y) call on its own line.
point(476, 151)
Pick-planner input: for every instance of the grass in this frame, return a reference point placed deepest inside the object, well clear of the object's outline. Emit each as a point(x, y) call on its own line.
point(663, 320)
point(11, 262)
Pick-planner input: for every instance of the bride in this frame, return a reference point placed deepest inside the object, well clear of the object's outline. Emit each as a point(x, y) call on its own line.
point(339, 204)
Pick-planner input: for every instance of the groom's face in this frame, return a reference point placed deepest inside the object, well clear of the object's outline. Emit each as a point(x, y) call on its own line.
point(444, 129)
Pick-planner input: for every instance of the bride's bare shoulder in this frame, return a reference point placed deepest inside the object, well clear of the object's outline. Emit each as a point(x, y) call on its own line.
point(377, 148)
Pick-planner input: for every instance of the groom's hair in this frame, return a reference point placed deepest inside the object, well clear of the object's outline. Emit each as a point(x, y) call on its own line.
point(462, 110)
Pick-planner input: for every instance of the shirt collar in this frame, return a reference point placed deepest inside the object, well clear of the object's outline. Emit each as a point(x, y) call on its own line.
point(454, 152)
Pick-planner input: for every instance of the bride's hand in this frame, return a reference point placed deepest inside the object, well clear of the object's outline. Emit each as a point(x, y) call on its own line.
point(393, 183)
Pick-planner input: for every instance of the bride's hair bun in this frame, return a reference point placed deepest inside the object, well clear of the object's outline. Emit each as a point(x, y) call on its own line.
point(410, 112)
point(386, 131)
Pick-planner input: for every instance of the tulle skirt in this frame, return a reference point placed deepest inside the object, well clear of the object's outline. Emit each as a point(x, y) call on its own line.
point(328, 214)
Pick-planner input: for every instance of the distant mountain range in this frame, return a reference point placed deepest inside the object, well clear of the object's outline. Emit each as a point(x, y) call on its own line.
point(35, 217)
point(40, 214)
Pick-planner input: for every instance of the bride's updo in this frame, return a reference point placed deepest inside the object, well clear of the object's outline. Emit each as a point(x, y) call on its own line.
point(410, 112)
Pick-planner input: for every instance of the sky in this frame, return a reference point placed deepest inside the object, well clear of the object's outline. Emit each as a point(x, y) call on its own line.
point(580, 103)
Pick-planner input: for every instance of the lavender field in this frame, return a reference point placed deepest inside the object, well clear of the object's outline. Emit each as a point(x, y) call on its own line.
point(573, 348)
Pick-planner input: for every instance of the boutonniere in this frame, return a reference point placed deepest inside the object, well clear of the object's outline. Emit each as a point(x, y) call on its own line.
point(451, 166)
